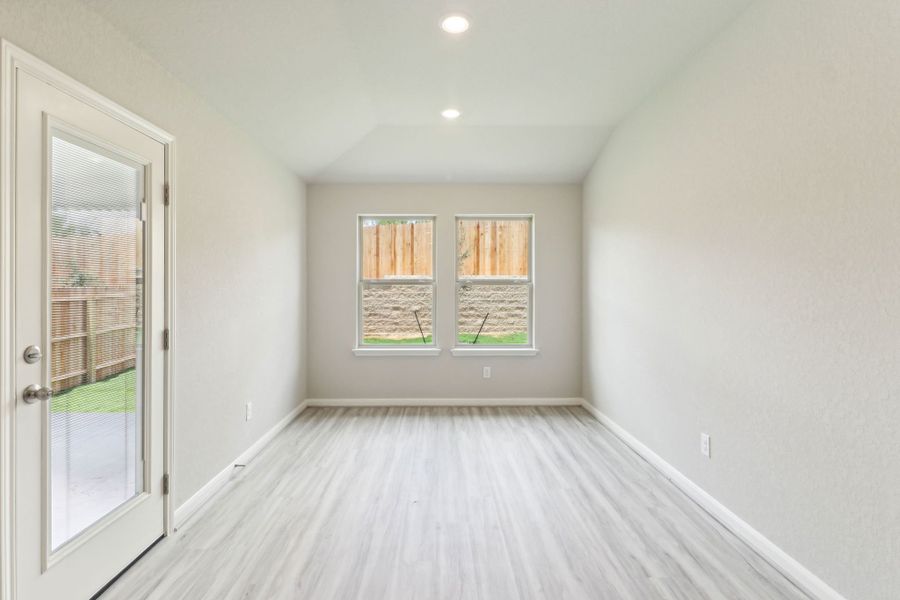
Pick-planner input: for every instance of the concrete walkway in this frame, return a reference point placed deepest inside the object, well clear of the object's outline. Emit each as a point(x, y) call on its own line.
point(93, 468)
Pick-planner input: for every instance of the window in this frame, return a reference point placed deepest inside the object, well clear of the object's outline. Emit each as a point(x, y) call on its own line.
point(494, 282)
point(396, 282)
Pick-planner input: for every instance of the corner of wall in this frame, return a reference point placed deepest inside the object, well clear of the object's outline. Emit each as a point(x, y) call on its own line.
point(304, 283)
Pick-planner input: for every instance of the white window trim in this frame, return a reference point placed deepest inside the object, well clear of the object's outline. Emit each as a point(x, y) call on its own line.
point(385, 350)
point(529, 349)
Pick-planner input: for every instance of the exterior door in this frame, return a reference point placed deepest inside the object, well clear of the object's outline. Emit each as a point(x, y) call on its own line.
point(89, 317)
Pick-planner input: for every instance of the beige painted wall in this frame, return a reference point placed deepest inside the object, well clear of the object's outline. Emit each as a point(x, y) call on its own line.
point(336, 373)
point(240, 306)
point(742, 278)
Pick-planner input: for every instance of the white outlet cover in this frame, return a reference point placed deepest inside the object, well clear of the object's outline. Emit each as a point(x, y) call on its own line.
point(486, 372)
point(249, 411)
point(704, 445)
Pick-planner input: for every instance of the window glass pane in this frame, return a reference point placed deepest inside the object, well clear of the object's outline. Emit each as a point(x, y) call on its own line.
point(492, 248)
point(493, 314)
point(96, 298)
point(397, 314)
point(396, 248)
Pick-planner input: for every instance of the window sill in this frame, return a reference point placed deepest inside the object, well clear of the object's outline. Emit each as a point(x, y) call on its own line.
point(388, 351)
point(494, 351)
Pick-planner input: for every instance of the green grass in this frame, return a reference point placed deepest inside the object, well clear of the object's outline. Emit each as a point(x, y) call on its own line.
point(114, 395)
point(403, 341)
point(520, 337)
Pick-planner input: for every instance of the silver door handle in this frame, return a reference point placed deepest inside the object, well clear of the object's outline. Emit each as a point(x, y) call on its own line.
point(36, 393)
point(33, 354)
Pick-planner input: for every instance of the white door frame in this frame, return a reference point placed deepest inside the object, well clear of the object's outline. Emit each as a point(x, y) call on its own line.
point(12, 59)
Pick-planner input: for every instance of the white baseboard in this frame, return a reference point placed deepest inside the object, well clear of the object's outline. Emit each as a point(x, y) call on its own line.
point(362, 402)
point(193, 504)
point(778, 558)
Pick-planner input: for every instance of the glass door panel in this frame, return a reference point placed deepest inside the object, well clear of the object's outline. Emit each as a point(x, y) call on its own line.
point(96, 360)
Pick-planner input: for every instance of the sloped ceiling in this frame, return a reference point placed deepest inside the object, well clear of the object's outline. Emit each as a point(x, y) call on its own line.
point(352, 90)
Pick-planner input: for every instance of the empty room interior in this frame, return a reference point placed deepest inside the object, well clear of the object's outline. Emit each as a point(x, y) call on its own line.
point(445, 299)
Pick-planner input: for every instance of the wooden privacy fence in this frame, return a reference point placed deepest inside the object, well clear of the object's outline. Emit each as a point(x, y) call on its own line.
point(94, 303)
point(486, 248)
point(94, 334)
point(397, 250)
point(493, 247)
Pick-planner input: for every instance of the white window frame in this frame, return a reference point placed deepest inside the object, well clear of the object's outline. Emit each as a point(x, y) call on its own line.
point(528, 349)
point(361, 349)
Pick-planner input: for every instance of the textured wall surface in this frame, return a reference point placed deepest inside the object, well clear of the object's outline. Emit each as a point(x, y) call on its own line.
point(241, 252)
point(336, 373)
point(742, 278)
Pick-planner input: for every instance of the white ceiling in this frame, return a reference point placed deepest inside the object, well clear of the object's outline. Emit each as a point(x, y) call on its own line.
point(352, 90)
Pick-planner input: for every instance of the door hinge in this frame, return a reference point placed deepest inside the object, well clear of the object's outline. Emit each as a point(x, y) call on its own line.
point(166, 193)
point(165, 485)
point(165, 339)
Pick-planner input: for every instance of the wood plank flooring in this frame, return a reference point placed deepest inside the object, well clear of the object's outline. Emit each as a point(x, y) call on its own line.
point(450, 503)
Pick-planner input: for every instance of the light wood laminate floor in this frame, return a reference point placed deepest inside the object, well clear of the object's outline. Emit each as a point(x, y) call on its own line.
point(441, 503)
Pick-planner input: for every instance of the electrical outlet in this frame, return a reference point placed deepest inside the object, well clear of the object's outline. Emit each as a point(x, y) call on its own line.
point(704, 445)
point(486, 372)
point(249, 411)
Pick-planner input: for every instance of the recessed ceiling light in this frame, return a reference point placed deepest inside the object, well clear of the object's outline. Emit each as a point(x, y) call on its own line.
point(450, 114)
point(455, 24)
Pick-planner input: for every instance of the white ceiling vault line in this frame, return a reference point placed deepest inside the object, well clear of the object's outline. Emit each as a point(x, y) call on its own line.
point(352, 90)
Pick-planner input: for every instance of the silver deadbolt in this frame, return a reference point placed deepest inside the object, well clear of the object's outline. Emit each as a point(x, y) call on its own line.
point(36, 393)
point(33, 354)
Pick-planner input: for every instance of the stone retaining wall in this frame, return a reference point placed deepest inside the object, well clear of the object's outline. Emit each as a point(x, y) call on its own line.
point(388, 311)
point(506, 307)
